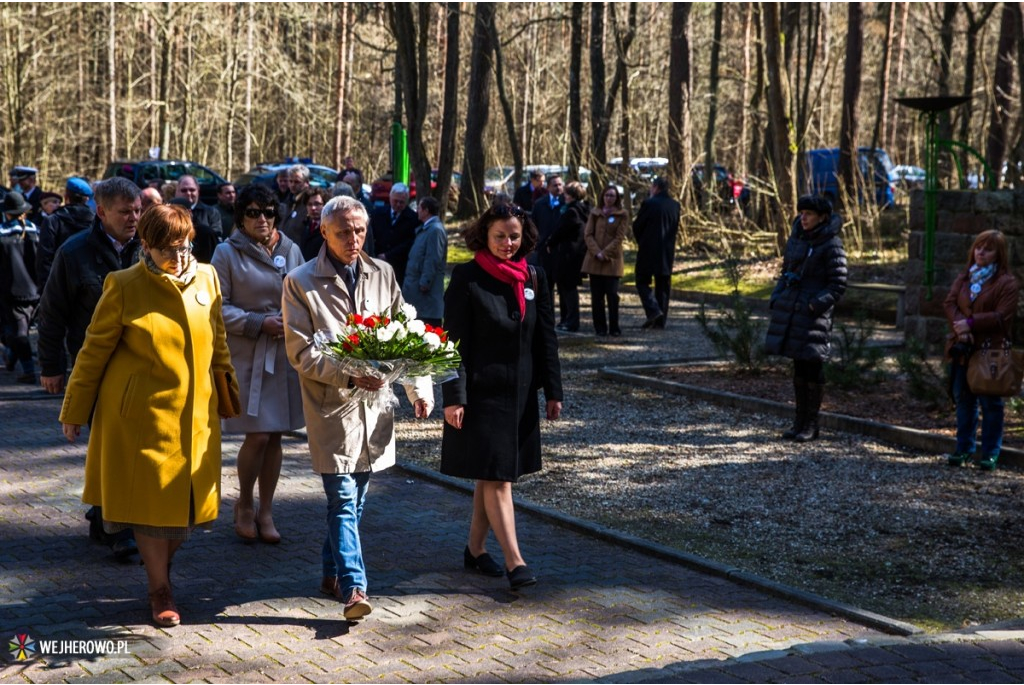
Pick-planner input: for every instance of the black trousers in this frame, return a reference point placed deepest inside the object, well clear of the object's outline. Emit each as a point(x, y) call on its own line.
point(605, 289)
point(569, 299)
point(809, 370)
point(656, 303)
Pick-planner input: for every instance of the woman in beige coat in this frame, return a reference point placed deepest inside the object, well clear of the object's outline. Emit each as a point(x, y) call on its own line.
point(147, 366)
point(605, 231)
point(251, 265)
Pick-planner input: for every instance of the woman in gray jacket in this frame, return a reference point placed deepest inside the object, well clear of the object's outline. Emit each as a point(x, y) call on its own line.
point(251, 266)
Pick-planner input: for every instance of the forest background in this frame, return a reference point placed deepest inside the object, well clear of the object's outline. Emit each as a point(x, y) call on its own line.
point(748, 85)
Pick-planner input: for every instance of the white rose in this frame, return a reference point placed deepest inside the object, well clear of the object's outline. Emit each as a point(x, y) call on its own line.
point(432, 340)
point(408, 311)
point(386, 333)
point(416, 327)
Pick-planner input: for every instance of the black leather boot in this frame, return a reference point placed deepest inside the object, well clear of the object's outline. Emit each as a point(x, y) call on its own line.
point(800, 395)
point(815, 391)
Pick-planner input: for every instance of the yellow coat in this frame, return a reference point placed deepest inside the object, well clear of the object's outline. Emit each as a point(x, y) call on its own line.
point(147, 366)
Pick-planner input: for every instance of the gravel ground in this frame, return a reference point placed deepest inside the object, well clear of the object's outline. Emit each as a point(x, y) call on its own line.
point(853, 519)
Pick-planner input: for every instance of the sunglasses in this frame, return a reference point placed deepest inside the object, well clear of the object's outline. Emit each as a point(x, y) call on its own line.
point(507, 211)
point(253, 213)
point(182, 251)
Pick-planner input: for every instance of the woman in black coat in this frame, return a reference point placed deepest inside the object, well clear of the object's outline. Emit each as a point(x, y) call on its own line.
point(813, 279)
point(499, 311)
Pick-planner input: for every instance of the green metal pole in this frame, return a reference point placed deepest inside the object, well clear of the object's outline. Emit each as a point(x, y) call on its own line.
point(399, 154)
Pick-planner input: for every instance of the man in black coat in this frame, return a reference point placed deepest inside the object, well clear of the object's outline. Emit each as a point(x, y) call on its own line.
point(71, 294)
point(205, 219)
point(76, 215)
point(394, 230)
point(528, 191)
point(655, 229)
point(547, 213)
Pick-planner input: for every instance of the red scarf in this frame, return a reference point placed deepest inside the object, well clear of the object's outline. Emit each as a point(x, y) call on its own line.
point(507, 271)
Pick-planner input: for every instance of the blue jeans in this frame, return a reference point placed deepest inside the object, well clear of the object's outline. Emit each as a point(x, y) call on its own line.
point(967, 416)
point(343, 553)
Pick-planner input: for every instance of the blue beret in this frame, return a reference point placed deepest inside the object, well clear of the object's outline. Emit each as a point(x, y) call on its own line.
point(78, 186)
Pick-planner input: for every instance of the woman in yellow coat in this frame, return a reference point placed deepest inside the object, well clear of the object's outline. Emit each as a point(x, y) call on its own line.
point(148, 363)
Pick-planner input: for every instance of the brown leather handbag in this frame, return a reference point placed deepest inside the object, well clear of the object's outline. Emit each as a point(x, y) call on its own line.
point(229, 404)
point(996, 372)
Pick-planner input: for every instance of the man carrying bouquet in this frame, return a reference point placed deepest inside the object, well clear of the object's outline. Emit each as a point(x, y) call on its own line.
point(348, 438)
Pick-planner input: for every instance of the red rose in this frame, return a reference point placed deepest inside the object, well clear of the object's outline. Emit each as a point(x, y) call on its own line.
point(370, 321)
point(355, 319)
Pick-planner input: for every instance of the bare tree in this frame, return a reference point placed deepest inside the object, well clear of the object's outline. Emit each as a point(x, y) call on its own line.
point(339, 90)
point(1002, 85)
point(414, 69)
point(575, 109)
point(477, 113)
point(878, 134)
point(780, 138)
point(503, 99)
point(848, 167)
point(450, 113)
point(599, 113)
point(679, 89)
point(710, 181)
point(975, 23)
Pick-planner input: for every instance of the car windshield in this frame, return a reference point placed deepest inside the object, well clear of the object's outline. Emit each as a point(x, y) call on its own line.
point(497, 173)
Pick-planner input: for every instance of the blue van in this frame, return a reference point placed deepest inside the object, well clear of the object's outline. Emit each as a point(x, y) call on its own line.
point(819, 173)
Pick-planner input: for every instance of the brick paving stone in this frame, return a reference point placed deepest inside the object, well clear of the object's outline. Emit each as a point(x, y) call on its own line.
point(751, 672)
point(888, 672)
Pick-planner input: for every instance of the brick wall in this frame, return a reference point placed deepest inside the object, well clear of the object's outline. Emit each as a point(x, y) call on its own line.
point(961, 215)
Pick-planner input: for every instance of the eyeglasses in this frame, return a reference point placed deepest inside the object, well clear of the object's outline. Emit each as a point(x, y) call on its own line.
point(181, 251)
point(254, 213)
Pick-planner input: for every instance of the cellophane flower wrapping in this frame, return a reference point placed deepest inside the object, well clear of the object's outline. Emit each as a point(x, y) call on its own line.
point(393, 346)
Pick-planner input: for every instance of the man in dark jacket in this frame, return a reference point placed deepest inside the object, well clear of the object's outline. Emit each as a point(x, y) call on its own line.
point(226, 208)
point(655, 229)
point(568, 246)
point(547, 212)
point(76, 215)
point(205, 219)
point(394, 230)
point(526, 193)
point(72, 292)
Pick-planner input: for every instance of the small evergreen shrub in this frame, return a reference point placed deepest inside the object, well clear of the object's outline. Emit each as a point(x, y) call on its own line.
point(855, 361)
point(735, 333)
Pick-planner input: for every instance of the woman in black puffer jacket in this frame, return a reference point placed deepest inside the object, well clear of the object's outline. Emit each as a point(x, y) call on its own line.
point(813, 279)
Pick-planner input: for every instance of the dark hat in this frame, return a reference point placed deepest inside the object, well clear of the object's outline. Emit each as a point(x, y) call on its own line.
point(814, 203)
point(78, 186)
point(49, 196)
point(20, 172)
point(15, 204)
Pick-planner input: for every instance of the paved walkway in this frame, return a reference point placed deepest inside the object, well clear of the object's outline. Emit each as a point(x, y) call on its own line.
point(601, 612)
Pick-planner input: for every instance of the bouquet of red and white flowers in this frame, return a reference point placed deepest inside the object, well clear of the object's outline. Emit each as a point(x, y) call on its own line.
point(393, 346)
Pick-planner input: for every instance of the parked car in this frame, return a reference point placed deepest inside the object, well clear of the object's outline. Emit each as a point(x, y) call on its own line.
point(266, 174)
point(380, 190)
point(729, 189)
point(819, 173)
point(501, 178)
point(908, 177)
point(154, 172)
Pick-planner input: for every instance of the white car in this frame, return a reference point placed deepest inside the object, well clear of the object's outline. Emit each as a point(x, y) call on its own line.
point(908, 176)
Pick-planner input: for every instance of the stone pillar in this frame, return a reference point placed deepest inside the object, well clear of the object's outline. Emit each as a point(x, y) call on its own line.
point(961, 216)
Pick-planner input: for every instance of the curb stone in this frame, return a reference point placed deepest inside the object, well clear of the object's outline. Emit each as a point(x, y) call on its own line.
point(856, 614)
point(897, 435)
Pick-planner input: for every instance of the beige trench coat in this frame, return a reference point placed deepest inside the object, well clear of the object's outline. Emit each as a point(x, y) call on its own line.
point(605, 234)
point(344, 436)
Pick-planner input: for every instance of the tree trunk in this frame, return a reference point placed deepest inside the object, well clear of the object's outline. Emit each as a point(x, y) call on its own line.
point(599, 114)
point(946, 33)
point(413, 67)
point(506, 104)
point(974, 25)
point(575, 109)
point(899, 76)
point(710, 183)
point(339, 91)
point(780, 125)
point(1002, 85)
point(471, 200)
point(111, 72)
point(756, 160)
point(883, 79)
point(848, 167)
point(167, 35)
point(249, 49)
point(679, 93)
point(450, 105)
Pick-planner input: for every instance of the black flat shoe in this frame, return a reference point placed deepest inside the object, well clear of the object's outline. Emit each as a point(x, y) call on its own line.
point(483, 563)
point(520, 577)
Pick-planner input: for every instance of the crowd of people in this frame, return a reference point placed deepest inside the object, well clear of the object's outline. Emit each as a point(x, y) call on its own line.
point(179, 321)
